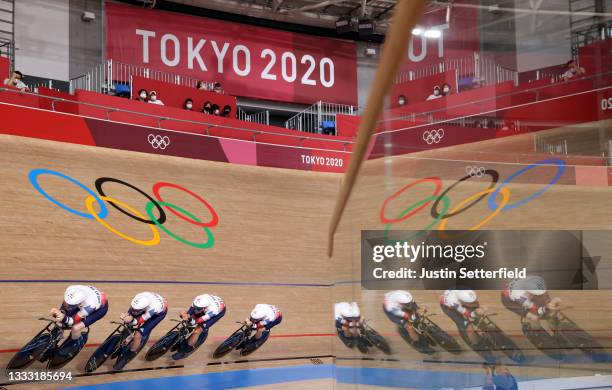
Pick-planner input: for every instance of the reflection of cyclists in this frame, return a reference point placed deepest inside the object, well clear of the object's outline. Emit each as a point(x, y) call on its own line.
point(263, 318)
point(205, 311)
point(529, 299)
point(82, 306)
point(146, 312)
point(348, 318)
point(463, 308)
point(401, 308)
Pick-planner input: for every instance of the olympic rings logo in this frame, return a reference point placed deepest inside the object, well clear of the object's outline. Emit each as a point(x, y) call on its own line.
point(442, 216)
point(475, 171)
point(433, 136)
point(159, 142)
point(100, 198)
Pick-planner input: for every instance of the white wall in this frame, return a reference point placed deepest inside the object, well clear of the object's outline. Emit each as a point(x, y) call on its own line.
point(366, 68)
point(41, 38)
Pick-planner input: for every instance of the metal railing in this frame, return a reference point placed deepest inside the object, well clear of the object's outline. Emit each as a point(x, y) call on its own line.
point(163, 119)
point(484, 118)
point(481, 69)
point(313, 118)
point(7, 49)
point(103, 78)
point(262, 117)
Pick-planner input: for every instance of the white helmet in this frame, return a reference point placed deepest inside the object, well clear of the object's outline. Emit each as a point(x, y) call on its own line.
point(403, 297)
point(535, 285)
point(258, 313)
point(141, 301)
point(466, 296)
point(202, 301)
point(74, 295)
point(350, 310)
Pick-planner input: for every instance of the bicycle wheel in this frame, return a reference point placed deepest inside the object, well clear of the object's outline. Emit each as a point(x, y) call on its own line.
point(162, 345)
point(549, 345)
point(30, 352)
point(228, 345)
point(65, 353)
point(378, 341)
point(443, 339)
point(102, 353)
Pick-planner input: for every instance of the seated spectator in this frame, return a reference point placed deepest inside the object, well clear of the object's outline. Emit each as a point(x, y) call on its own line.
point(207, 108)
point(202, 85)
point(217, 88)
point(188, 105)
point(572, 71)
point(227, 109)
point(154, 100)
point(446, 89)
point(16, 81)
point(436, 94)
point(401, 100)
point(143, 95)
point(216, 110)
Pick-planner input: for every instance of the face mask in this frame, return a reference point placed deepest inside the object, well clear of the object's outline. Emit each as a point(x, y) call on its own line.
point(446, 90)
point(15, 82)
point(437, 92)
point(153, 97)
point(143, 95)
point(189, 106)
point(402, 102)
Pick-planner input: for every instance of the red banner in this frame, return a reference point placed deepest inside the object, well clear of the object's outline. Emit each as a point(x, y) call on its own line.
point(247, 60)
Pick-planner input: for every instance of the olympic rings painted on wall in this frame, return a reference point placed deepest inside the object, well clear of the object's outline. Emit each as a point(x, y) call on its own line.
point(130, 211)
point(472, 200)
point(33, 177)
point(433, 136)
point(425, 201)
point(162, 215)
point(158, 142)
point(89, 204)
point(560, 164)
point(475, 171)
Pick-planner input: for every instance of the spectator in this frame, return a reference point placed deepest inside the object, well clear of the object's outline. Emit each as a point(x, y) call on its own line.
point(498, 377)
point(207, 108)
point(217, 88)
point(573, 70)
point(16, 81)
point(154, 100)
point(436, 94)
point(188, 105)
point(446, 89)
point(401, 100)
point(227, 109)
point(143, 95)
point(202, 85)
point(215, 110)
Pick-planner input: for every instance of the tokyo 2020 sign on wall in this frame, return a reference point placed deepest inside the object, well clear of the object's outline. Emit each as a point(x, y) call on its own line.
point(249, 61)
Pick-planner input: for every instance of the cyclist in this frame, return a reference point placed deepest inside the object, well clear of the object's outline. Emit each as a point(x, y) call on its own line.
point(529, 299)
point(401, 309)
point(463, 308)
point(348, 318)
point(205, 311)
point(146, 311)
point(82, 306)
point(263, 318)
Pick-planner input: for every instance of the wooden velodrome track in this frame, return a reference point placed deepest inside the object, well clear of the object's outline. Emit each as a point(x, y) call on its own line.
point(270, 246)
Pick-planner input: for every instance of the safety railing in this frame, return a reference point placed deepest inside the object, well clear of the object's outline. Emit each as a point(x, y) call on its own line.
point(481, 69)
point(103, 78)
point(262, 117)
point(317, 117)
point(163, 119)
point(437, 116)
point(7, 49)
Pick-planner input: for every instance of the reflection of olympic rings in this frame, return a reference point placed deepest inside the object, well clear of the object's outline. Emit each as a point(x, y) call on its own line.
point(425, 201)
point(131, 211)
point(560, 164)
point(159, 142)
point(471, 200)
point(433, 136)
point(434, 209)
point(475, 171)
